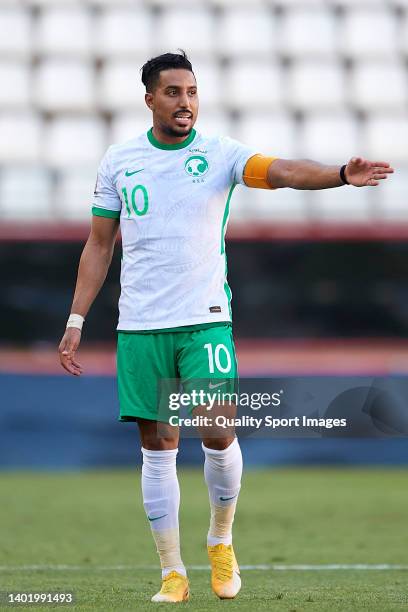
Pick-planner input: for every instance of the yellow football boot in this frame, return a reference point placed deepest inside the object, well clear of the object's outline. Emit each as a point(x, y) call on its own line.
point(225, 578)
point(174, 589)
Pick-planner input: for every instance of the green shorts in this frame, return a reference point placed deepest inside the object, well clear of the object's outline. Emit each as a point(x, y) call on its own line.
point(151, 365)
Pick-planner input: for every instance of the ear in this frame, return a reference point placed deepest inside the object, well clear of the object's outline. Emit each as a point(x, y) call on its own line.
point(149, 100)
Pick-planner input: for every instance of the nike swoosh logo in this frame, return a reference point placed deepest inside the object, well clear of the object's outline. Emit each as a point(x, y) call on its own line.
point(227, 498)
point(211, 386)
point(156, 518)
point(127, 173)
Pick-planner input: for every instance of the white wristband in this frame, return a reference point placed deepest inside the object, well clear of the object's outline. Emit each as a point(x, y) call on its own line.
point(75, 320)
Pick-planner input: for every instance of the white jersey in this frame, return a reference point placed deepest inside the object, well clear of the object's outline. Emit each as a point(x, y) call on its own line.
point(173, 205)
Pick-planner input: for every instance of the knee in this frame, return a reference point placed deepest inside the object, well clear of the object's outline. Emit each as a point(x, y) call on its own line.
point(158, 444)
point(218, 443)
point(157, 436)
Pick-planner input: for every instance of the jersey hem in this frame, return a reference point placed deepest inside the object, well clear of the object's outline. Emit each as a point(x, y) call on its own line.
point(129, 326)
point(182, 328)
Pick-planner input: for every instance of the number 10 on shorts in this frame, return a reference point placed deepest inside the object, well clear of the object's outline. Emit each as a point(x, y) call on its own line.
point(220, 353)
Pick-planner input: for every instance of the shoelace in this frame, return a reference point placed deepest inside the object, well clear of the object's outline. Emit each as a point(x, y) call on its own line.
point(222, 562)
point(171, 583)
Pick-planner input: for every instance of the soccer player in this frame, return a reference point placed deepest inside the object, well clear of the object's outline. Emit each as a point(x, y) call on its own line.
point(169, 189)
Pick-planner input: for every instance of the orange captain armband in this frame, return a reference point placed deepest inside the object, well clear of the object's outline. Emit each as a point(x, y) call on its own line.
point(256, 171)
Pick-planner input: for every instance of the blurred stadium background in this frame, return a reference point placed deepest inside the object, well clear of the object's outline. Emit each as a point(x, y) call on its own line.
point(319, 279)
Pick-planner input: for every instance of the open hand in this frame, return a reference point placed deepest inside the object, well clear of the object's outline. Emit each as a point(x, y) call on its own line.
point(67, 348)
point(362, 172)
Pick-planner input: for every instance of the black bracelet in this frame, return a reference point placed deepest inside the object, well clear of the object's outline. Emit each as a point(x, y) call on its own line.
point(343, 175)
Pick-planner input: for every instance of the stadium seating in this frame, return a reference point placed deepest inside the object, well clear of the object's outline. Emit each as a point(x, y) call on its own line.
point(246, 33)
point(17, 76)
point(404, 35)
point(91, 3)
point(192, 30)
point(284, 4)
point(43, 4)
point(277, 206)
point(379, 86)
point(27, 200)
point(386, 137)
point(127, 125)
point(132, 4)
point(332, 138)
point(273, 135)
point(297, 34)
point(216, 124)
point(369, 33)
point(325, 79)
point(254, 84)
point(236, 3)
point(367, 4)
point(64, 85)
point(393, 204)
point(21, 137)
point(316, 86)
point(73, 196)
point(342, 205)
point(119, 87)
point(64, 31)
point(169, 3)
point(124, 33)
point(209, 85)
point(74, 141)
point(17, 21)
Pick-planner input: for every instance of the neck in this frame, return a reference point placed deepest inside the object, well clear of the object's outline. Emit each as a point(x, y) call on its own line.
point(165, 138)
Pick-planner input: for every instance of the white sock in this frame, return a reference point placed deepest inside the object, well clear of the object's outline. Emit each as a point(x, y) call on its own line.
point(161, 501)
point(222, 471)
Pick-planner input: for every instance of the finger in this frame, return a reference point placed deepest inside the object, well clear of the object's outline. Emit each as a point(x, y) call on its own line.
point(72, 369)
point(68, 361)
point(372, 182)
point(381, 164)
point(67, 365)
point(76, 364)
point(62, 346)
point(382, 169)
point(378, 177)
point(379, 167)
point(69, 351)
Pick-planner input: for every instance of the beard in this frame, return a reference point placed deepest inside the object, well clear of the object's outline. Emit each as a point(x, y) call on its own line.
point(176, 133)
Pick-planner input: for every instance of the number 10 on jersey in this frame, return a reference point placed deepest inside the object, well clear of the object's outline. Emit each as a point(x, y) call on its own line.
point(214, 355)
point(138, 197)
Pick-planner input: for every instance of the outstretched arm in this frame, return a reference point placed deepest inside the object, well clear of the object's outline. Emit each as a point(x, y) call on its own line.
point(307, 174)
point(93, 268)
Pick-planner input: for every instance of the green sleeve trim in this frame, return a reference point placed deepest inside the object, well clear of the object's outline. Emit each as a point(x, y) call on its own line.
point(104, 212)
point(226, 214)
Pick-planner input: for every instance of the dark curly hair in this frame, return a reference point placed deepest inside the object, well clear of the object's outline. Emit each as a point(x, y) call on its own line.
point(152, 68)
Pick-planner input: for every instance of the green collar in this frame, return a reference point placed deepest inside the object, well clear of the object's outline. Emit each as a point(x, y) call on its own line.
point(170, 147)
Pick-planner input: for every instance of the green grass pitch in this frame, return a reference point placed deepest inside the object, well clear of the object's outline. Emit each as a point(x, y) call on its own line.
point(93, 523)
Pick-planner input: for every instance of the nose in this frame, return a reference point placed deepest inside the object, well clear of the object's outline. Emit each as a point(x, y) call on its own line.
point(184, 100)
